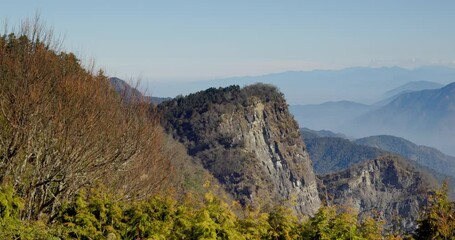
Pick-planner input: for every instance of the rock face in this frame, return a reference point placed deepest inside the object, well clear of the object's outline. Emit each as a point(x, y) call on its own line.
point(249, 141)
point(388, 186)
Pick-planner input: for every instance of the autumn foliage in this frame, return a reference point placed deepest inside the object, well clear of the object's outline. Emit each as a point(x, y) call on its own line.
point(63, 128)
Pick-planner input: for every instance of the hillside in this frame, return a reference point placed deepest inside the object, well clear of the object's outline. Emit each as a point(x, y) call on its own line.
point(248, 140)
point(425, 156)
point(131, 93)
point(426, 117)
point(309, 133)
point(330, 154)
point(64, 129)
point(414, 86)
point(387, 186)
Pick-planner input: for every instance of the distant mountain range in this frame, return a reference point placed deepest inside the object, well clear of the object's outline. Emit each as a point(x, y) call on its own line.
point(336, 115)
point(359, 84)
point(426, 117)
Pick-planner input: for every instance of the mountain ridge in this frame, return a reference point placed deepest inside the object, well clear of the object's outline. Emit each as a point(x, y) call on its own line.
point(412, 87)
point(426, 117)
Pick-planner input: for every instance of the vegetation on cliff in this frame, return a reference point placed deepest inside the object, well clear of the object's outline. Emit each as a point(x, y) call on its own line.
point(248, 140)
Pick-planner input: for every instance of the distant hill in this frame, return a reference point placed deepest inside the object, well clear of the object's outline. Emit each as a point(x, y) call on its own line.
point(425, 156)
point(328, 115)
point(426, 117)
point(331, 154)
point(129, 92)
point(123, 88)
point(391, 95)
point(309, 133)
point(412, 87)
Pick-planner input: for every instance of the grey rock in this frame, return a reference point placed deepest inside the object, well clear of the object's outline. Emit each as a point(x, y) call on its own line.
point(388, 186)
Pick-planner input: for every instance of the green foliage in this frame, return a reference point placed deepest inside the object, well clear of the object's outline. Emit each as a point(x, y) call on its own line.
point(282, 223)
point(438, 220)
point(331, 154)
point(96, 215)
point(254, 224)
point(11, 227)
point(92, 216)
point(10, 204)
point(330, 224)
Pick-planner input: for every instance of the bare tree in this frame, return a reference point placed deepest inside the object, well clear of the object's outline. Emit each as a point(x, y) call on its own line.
point(62, 127)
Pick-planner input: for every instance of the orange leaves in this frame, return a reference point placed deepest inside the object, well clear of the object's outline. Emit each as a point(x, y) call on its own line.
point(70, 128)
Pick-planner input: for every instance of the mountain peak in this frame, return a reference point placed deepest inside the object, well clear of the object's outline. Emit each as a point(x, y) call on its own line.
point(248, 140)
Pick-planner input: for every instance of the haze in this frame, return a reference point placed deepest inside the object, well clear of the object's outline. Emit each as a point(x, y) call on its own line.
point(202, 40)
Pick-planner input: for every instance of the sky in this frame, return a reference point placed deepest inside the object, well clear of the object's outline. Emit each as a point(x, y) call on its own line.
point(200, 40)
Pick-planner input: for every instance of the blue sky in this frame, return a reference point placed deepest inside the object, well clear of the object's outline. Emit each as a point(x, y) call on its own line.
point(196, 40)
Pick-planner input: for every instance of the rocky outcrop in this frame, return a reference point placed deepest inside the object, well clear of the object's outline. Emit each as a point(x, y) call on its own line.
point(388, 186)
point(249, 141)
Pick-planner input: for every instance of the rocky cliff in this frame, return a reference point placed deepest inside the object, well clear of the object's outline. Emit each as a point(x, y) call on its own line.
point(248, 140)
point(388, 186)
